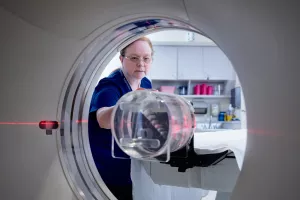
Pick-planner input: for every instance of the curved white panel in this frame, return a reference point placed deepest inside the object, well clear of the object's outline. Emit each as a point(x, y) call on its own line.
point(262, 45)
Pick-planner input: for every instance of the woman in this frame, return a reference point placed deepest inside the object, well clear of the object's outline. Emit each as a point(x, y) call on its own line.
point(136, 59)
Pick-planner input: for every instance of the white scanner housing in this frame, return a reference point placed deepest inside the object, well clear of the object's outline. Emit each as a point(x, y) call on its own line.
point(52, 53)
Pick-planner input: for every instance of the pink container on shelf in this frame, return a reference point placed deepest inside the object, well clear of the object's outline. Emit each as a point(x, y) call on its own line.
point(167, 89)
point(209, 90)
point(197, 89)
point(203, 89)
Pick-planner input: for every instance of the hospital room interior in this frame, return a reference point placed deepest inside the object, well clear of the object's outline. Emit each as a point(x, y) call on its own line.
point(149, 100)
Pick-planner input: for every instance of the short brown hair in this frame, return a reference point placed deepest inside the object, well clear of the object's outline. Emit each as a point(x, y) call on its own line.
point(123, 51)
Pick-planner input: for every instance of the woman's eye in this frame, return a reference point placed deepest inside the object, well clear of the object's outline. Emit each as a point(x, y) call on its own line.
point(134, 58)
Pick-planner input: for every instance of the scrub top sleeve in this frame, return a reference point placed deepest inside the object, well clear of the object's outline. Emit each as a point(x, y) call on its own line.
point(104, 98)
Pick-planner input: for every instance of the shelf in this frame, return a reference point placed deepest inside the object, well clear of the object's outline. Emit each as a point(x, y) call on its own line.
point(191, 80)
point(207, 96)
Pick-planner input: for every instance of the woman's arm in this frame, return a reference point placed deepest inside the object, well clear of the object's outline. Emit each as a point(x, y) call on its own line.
point(104, 116)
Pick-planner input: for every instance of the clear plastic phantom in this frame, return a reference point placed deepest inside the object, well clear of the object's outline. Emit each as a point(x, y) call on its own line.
point(148, 124)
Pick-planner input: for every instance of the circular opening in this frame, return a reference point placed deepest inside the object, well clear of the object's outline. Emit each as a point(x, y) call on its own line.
point(73, 110)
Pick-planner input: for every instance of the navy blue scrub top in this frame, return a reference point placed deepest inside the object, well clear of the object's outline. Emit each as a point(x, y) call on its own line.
point(109, 90)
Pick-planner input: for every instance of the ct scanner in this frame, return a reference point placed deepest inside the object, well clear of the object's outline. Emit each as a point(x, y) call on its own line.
point(52, 52)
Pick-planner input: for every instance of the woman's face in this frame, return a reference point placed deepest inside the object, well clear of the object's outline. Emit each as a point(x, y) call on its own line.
point(137, 60)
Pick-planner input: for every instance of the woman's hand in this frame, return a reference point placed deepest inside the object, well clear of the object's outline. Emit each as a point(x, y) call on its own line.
point(103, 117)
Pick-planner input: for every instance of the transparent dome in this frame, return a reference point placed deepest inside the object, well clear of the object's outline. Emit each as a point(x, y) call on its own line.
point(147, 124)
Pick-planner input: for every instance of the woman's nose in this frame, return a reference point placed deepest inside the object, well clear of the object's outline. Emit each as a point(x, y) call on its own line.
point(140, 63)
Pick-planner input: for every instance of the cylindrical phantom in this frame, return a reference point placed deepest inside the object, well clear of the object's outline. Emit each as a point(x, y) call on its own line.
point(145, 123)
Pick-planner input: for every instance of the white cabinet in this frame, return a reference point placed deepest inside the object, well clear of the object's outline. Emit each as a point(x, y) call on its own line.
point(164, 65)
point(190, 64)
point(216, 65)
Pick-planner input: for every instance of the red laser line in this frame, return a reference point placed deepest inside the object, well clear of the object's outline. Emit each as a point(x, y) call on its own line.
point(36, 123)
point(19, 123)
